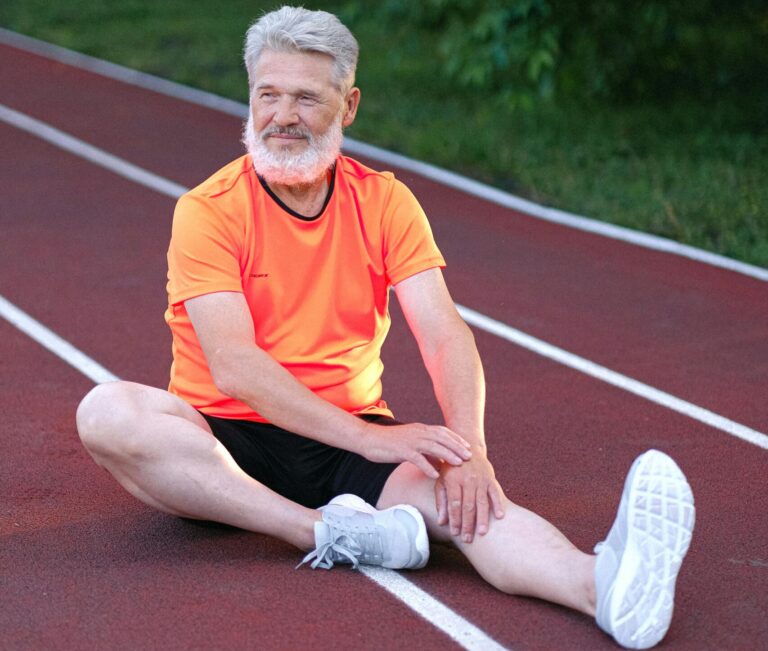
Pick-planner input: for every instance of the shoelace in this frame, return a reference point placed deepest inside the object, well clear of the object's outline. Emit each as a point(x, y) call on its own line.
point(342, 546)
point(324, 554)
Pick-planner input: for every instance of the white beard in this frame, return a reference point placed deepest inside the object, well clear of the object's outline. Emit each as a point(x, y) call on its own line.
point(287, 168)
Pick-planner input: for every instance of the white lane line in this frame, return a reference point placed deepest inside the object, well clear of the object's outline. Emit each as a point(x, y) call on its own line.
point(608, 376)
point(84, 150)
point(150, 180)
point(55, 344)
point(357, 148)
point(455, 626)
point(122, 74)
point(433, 611)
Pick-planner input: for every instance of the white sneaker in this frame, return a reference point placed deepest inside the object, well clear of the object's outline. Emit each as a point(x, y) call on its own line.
point(352, 531)
point(637, 564)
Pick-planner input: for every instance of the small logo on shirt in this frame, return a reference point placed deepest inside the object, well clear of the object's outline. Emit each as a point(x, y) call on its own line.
point(259, 275)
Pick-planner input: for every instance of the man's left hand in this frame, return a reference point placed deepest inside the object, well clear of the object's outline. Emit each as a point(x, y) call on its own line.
point(467, 494)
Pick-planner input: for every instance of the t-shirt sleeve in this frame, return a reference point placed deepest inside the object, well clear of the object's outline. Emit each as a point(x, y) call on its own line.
point(204, 254)
point(409, 247)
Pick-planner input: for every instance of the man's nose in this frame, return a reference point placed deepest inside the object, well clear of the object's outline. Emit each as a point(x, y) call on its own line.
point(285, 112)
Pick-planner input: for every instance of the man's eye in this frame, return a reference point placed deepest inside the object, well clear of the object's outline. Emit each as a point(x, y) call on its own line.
point(306, 99)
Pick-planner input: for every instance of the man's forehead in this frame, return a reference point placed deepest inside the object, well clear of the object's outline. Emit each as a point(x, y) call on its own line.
point(294, 68)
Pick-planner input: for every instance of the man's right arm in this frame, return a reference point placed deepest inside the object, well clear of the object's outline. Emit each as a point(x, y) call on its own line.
point(242, 370)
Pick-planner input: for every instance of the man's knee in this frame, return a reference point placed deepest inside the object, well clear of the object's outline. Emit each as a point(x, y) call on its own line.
point(104, 416)
point(408, 485)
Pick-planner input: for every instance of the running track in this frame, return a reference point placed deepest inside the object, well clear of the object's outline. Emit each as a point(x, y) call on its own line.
point(82, 250)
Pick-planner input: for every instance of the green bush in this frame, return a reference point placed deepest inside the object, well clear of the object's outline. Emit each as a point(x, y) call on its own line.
point(663, 49)
point(509, 49)
point(655, 49)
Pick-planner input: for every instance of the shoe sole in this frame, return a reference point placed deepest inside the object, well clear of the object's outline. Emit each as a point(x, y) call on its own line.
point(659, 517)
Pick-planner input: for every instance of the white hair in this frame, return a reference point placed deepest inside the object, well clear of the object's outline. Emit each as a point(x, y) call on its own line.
point(295, 29)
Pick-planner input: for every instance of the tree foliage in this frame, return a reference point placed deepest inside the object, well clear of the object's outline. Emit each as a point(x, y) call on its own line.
point(608, 49)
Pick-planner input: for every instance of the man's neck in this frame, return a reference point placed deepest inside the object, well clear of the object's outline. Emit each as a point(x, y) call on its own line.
point(306, 199)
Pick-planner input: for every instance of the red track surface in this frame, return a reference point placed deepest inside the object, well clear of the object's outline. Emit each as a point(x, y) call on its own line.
point(83, 565)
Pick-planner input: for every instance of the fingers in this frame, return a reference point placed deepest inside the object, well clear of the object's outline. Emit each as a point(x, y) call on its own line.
point(423, 464)
point(445, 444)
point(468, 511)
point(483, 512)
point(439, 450)
point(454, 492)
point(435, 442)
point(497, 500)
point(467, 497)
point(470, 505)
point(441, 503)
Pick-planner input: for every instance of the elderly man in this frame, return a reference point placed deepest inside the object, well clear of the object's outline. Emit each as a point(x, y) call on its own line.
point(280, 267)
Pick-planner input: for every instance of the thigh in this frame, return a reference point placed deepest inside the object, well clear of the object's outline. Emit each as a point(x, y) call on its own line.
point(162, 401)
point(116, 403)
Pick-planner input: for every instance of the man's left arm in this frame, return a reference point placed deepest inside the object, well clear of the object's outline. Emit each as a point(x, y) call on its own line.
point(465, 495)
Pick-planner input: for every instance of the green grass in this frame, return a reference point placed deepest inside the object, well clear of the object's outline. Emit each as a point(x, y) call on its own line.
point(697, 174)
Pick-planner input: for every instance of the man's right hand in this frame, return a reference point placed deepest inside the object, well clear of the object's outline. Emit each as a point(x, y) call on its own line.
point(414, 442)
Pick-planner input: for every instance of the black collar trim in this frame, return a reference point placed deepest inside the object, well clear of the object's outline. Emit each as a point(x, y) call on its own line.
point(293, 212)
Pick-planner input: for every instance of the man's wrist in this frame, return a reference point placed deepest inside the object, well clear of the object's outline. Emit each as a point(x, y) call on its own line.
point(476, 441)
point(479, 447)
point(360, 432)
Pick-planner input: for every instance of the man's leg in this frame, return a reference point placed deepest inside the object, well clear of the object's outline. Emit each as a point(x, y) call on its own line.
point(162, 451)
point(521, 554)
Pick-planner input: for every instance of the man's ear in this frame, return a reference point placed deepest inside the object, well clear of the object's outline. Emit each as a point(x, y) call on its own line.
point(351, 102)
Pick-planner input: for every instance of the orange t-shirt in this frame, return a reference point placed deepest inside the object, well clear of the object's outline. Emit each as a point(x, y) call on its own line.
point(317, 289)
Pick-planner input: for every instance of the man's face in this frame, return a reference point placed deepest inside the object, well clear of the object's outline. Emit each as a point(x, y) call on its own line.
point(297, 114)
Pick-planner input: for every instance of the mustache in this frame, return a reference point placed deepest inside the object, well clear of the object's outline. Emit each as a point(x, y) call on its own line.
point(295, 132)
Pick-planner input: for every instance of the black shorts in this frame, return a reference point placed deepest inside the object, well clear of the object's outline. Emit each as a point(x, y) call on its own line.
point(301, 469)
